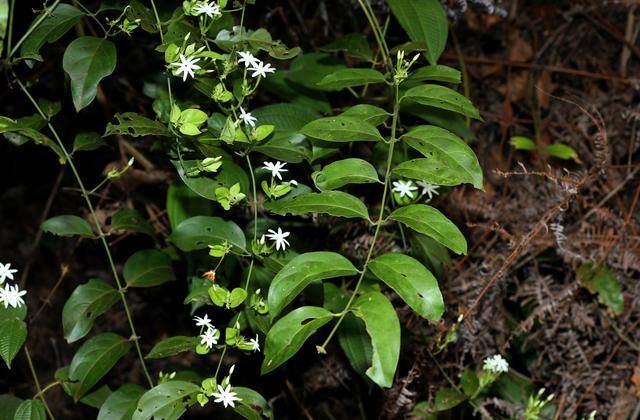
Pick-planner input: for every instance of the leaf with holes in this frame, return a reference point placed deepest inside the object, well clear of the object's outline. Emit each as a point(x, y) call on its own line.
point(135, 125)
point(121, 404)
point(13, 333)
point(441, 97)
point(341, 129)
point(429, 221)
point(201, 231)
point(94, 359)
point(411, 281)
point(287, 336)
point(334, 203)
point(87, 302)
point(148, 268)
point(167, 401)
point(68, 225)
point(343, 172)
point(302, 271)
point(172, 346)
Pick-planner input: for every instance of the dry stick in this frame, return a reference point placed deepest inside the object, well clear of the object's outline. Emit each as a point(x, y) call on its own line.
point(121, 290)
point(47, 301)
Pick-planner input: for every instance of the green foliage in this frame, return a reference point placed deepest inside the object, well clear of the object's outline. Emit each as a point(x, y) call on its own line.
point(68, 225)
point(148, 268)
point(602, 281)
point(54, 24)
point(30, 410)
point(13, 333)
point(167, 401)
point(87, 302)
point(172, 346)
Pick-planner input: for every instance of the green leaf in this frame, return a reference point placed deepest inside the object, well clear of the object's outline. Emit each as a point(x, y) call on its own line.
point(288, 335)
point(148, 268)
point(87, 302)
point(424, 21)
point(96, 398)
point(131, 220)
point(431, 253)
point(167, 401)
point(334, 203)
point(383, 327)
point(94, 359)
point(4, 18)
point(68, 225)
point(87, 141)
point(448, 120)
point(308, 69)
point(22, 129)
point(135, 125)
point(341, 129)
point(121, 404)
point(302, 271)
point(367, 113)
point(561, 151)
point(183, 203)
point(345, 78)
point(13, 333)
point(252, 405)
point(8, 406)
point(356, 344)
point(438, 73)
point(447, 398)
point(429, 221)
point(87, 60)
point(10, 312)
point(201, 231)
point(226, 177)
point(172, 346)
point(469, 382)
point(522, 143)
point(30, 410)
point(344, 172)
point(441, 97)
point(51, 28)
point(355, 45)
point(601, 280)
point(412, 282)
point(449, 161)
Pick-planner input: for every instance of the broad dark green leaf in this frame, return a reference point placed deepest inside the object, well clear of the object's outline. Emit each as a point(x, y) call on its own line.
point(383, 327)
point(449, 161)
point(434, 255)
point(10, 312)
point(441, 97)
point(183, 203)
point(201, 231)
point(51, 28)
point(345, 78)
point(139, 12)
point(411, 281)
point(25, 131)
point(448, 120)
point(8, 406)
point(87, 302)
point(205, 186)
point(94, 359)
point(355, 45)
point(308, 69)
point(148, 268)
point(30, 410)
point(87, 141)
point(334, 203)
point(344, 172)
point(13, 333)
point(429, 221)
point(356, 344)
point(68, 225)
point(438, 73)
point(601, 280)
point(367, 113)
point(447, 398)
point(87, 60)
point(96, 398)
point(132, 221)
point(167, 401)
point(172, 346)
point(312, 100)
point(288, 335)
point(135, 125)
point(121, 404)
point(424, 21)
point(252, 405)
point(302, 271)
point(341, 129)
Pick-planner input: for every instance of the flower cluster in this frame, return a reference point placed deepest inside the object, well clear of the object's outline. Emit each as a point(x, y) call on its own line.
point(407, 190)
point(10, 295)
point(496, 364)
point(254, 65)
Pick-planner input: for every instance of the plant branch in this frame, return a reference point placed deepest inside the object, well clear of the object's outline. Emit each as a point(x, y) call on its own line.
point(36, 381)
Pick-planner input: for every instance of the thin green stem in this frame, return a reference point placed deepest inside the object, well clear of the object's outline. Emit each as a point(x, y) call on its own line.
point(254, 199)
point(36, 381)
point(377, 32)
point(10, 25)
point(33, 27)
point(92, 16)
point(224, 350)
point(103, 240)
point(159, 24)
point(46, 388)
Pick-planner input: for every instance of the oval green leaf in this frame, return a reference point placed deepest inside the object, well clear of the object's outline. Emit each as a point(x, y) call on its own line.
point(334, 203)
point(87, 302)
point(13, 333)
point(345, 78)
point(368, 113)
point(289, 334)
point(148, 268)
point(53, 25)
point(441, 97)
point(438, 73)
point(132, 221)
point(68, 225)
point(172, 346)
point(411, 281)
point(341, 129)
point(429, 221)
point(302, 271)
point(166, 401)
point(30, 410)
point(121, 404)
point(200, 231)
point(343, 172)
point(252, 405)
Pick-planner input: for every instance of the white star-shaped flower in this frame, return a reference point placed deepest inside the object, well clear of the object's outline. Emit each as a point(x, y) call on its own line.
point(209, 339)
point(6, 272)
point(496, 364)
point(255, 344)
point(248, 59)
point(225, 396)
point(275, 168)
point(247, 118)
point(261, 69)
point(210, 9)
point(12, 296)
point(404, 188)
point(279, 238)
point(428, 189)
point(203, 322)
point(186, 66)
